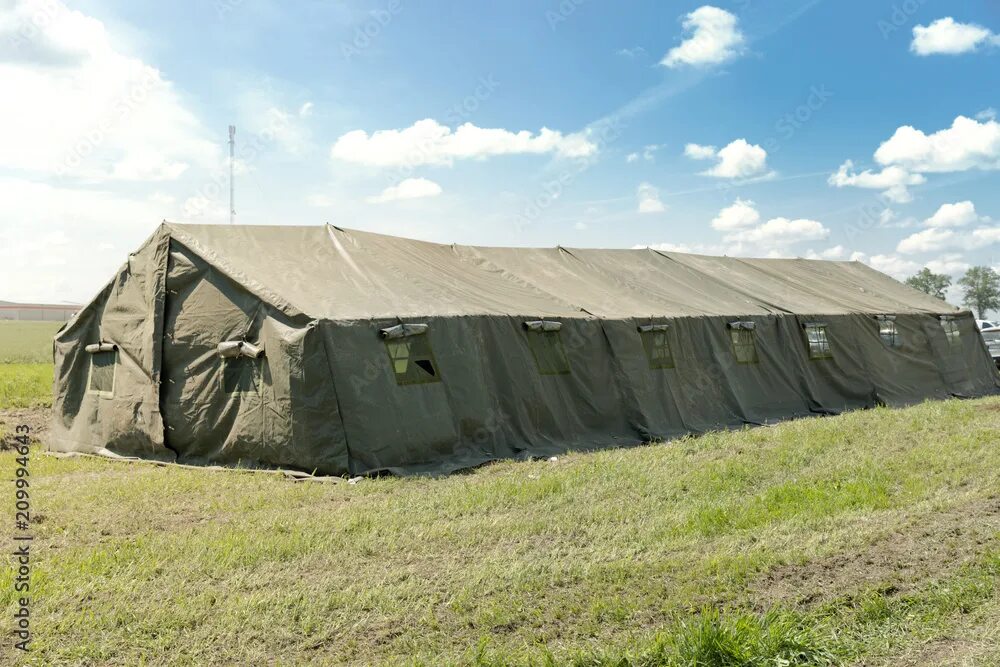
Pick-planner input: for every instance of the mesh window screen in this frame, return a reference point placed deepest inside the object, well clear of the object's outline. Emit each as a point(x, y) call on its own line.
point(889, 333)
point(819, 343)
point(547, 348)
point(102, 372)
point(657, 344)
point(951, 333)
point(744, 345)
point(412, 360)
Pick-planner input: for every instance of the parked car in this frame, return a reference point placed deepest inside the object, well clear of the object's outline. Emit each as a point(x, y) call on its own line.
point(986, 324)
point(991, 337)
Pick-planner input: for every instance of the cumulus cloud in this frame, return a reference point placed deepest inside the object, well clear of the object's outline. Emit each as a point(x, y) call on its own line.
point(967, 144)
point(712, 38)
point(835, 252)
point(411, 188)
point(739, 215)
point(927, 240)
point(429, 142)
point(700, 152)
point(77, 106)
point(894, 181)
point(893, 265)
point(781, 232)
point(952, 264)
point(948, 37)
point(739, 159)
point(910, 153)
point(649, 199)
point(958, 214)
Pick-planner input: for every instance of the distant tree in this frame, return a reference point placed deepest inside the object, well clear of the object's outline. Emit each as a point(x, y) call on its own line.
point(981, 289)
point(929, 282)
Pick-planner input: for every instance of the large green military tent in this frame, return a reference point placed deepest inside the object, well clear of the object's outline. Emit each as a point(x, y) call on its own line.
point(344, 352)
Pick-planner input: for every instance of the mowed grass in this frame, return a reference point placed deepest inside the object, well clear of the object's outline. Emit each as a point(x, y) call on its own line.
point(26, 363)
point(27, 342)
point(869, 537)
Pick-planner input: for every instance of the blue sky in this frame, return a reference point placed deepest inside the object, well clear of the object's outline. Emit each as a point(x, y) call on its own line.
point(715, 128)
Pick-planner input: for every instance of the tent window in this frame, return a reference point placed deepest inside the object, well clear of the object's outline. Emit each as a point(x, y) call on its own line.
point(819, 343)
point(889, 333)
point(658, 350)
point(951, 333)
point(412, 359)
point(239, 375)
point(547, 348)
point(744, 343)
point(102, 373)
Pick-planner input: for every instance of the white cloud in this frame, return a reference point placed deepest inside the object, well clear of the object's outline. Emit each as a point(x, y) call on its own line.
point(893, 180)
point(306, 109)
point(739, 215)
point(951, 264)
point(835, 252)
point(73, 257)
point(894, 265)
point(77, 106)
point(429, 142)
point(713, 38)
point(632, 157)
point(648, 154)
point(989, 113)
point(700, 152)
point(958, 214)
point(927, 240)
point(947, 36)
point(737, 160)
point(649, 199)
point(967, 144)
point(411, 188)
point(910, 153)
point(781, 232)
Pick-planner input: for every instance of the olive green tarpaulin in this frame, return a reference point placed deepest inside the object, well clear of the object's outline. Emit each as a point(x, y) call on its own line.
point(343, 352)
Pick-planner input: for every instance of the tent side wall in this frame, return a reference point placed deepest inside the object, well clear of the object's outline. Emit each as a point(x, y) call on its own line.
point(109, 399)
point(490, 399)
point(276, 410)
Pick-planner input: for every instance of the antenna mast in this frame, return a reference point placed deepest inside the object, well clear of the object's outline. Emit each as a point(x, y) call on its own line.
point(232, 204)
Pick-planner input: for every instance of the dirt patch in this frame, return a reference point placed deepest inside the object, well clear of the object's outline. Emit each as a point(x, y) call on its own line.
point(926, 547)
point(37, 419)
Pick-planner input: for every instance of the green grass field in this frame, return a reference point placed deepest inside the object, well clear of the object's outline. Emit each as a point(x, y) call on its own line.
point(869, 538)
point(26, 363)
point(27, 342)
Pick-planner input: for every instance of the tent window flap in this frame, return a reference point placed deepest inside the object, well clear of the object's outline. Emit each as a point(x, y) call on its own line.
point(744, 343)
point(656, 342)
point(546, 347)
point(412, 358)
point(951, 332)
point(102, 372)
point(817, 340)
point(888, 331)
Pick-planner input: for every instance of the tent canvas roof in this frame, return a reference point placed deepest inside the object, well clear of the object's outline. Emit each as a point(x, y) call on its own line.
point(342, 274)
